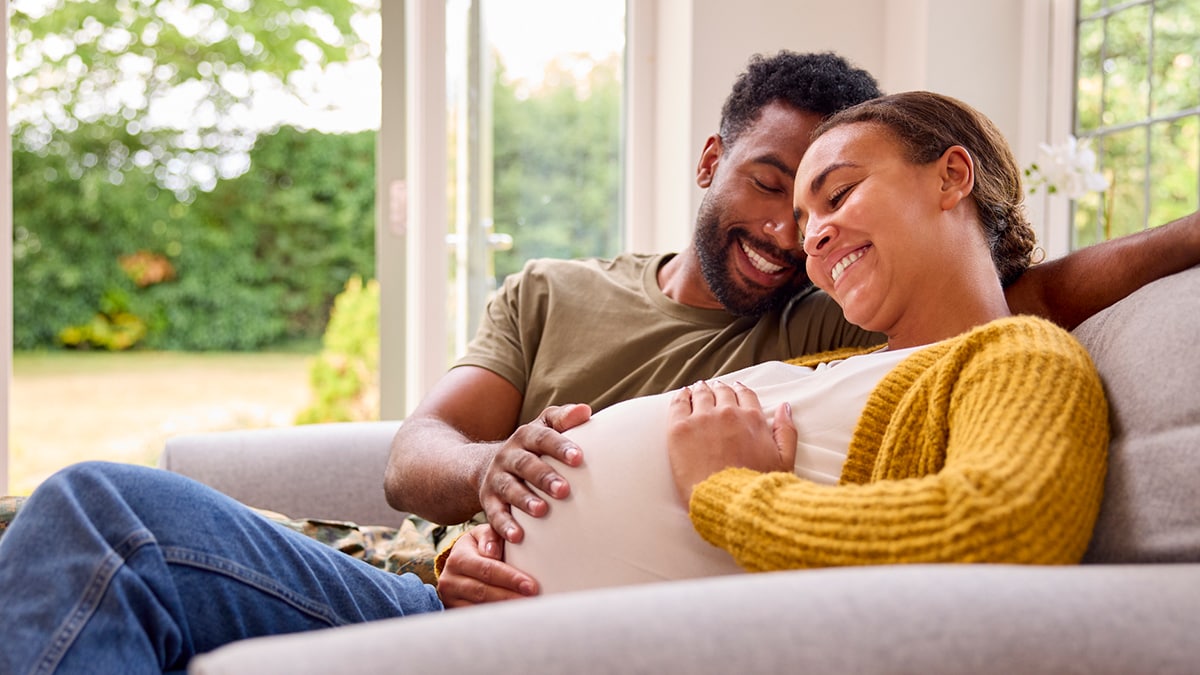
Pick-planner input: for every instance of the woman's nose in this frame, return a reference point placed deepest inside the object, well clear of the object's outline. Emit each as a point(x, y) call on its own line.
point(817, 235)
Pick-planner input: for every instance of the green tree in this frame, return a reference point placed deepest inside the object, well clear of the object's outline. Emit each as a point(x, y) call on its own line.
point(1136, 94)
point(344, 377)
point(68, 233)
point(557, 166)
point(103, 66)
point(102, 184)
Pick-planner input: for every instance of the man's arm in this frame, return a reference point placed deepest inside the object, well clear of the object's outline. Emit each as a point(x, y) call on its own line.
point(461, 450)
point(1070, 289)
point(443, 447)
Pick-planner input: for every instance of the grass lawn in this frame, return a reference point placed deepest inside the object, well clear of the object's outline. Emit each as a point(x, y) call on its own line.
point(70, 406)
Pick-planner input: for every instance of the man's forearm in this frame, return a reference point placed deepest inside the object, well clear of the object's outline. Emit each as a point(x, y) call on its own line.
point(432, 470)
point(1070, 289)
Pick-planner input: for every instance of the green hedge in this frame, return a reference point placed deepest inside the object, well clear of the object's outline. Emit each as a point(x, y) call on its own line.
point(255, 263)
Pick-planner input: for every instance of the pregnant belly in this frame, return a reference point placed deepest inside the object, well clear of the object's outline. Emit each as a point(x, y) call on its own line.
point(623, 522)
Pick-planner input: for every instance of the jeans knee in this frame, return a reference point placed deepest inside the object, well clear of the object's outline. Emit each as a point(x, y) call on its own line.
point(94, 479)
point(82, 472)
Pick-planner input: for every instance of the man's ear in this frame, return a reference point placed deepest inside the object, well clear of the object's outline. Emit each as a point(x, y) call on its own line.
point(709, 158)
point(957, 171)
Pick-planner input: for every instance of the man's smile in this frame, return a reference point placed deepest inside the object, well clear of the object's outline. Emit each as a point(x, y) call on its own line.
point(760, 263)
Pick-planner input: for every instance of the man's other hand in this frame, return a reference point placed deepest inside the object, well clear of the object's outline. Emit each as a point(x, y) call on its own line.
point(475, 572)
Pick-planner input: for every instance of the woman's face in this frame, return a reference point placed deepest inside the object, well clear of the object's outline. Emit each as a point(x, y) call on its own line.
point(871, 227)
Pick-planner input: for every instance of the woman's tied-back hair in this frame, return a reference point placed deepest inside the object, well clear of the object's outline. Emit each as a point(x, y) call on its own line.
point(926, 125)
point(821, 83)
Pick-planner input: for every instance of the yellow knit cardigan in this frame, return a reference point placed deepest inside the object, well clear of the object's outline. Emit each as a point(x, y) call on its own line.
point(988, 447)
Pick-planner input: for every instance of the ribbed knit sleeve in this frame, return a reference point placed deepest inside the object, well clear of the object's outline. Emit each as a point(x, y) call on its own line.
point(989, 447)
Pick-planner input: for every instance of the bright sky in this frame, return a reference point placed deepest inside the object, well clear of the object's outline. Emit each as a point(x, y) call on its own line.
point(526, 33)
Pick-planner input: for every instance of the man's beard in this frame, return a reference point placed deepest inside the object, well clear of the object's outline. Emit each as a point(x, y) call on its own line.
point(712, 248)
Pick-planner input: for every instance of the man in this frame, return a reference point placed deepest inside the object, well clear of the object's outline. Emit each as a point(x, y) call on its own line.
point(597, 332)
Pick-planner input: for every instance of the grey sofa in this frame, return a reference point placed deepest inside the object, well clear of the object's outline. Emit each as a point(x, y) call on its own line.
point(1133, 607)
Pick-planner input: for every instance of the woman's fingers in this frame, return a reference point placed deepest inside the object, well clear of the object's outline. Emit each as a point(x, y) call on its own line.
point(745, 395)
point(783, 429)
point(702, 396)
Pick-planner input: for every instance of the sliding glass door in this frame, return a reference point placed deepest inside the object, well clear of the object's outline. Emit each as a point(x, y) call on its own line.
point(527, 95)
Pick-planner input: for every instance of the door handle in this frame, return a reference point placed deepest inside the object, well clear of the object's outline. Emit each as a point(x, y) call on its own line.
point(496, 241)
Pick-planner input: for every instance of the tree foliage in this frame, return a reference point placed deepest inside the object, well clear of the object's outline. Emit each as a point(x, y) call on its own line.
point(1136, 94)
point(557, 166)
point(115, 247)
point(254, 263)
point(87, 76)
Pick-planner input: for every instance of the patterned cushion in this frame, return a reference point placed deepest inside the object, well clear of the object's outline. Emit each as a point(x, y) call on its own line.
point(8, 510)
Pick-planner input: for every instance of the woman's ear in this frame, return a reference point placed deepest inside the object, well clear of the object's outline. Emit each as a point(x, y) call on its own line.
point(957, 172)
point(709, 158)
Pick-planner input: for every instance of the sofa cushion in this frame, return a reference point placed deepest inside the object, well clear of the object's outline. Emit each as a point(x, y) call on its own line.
point(1151, 372)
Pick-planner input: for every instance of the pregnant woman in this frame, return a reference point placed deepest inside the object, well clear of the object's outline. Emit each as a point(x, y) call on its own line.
point(971, 436)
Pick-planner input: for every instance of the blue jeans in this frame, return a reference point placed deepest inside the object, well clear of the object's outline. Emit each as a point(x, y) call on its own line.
point(111, 568)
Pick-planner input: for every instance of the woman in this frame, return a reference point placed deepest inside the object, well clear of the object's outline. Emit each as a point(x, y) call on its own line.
point(982, 437)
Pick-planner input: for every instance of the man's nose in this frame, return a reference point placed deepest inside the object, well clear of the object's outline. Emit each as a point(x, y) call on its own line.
point(784, 232)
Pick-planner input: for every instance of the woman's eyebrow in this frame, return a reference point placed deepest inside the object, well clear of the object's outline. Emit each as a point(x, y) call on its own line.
point(819, 181)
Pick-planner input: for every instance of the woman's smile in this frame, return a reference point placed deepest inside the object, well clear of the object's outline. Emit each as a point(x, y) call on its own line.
point(849, 259)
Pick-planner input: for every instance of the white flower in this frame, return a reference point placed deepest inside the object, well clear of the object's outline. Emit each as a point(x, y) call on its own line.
point(1068, 168)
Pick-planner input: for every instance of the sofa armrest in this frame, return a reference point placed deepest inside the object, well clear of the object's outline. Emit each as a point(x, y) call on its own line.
point(984, 619)
point(331, 471)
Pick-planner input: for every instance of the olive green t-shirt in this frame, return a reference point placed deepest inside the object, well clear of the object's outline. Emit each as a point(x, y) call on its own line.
point(602, 331)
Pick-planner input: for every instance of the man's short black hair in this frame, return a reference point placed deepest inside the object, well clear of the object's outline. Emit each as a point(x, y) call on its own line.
point(819, 82)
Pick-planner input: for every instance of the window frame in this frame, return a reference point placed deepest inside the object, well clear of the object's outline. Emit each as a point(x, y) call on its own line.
point(6, 269)
point(1144, 124)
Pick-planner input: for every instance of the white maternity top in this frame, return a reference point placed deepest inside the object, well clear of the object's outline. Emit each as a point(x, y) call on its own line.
point(624, 523)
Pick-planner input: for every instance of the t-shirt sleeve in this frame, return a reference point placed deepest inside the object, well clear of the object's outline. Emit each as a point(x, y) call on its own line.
point(502, 342)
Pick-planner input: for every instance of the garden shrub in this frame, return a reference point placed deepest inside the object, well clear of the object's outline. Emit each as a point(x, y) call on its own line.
point(253, 264)
point(344, 377)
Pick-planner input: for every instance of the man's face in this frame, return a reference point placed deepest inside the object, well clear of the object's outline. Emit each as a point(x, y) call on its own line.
point(746, 238)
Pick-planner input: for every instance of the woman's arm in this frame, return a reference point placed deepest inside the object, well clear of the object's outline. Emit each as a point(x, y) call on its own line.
point(1015, 411)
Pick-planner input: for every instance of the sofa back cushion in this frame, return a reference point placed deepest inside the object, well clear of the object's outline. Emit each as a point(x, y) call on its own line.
point(1144, 348)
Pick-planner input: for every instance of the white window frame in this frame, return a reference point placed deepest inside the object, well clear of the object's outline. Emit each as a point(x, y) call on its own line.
point(1060, 115)
point(1144, 123)
point(6, 270)
point(411, 164)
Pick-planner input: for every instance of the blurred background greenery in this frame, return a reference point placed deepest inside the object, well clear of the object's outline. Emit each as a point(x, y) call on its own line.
point(176, 218)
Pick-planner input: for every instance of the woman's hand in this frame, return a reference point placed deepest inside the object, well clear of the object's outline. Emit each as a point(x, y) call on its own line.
point(714, 426)
point(476, 573)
